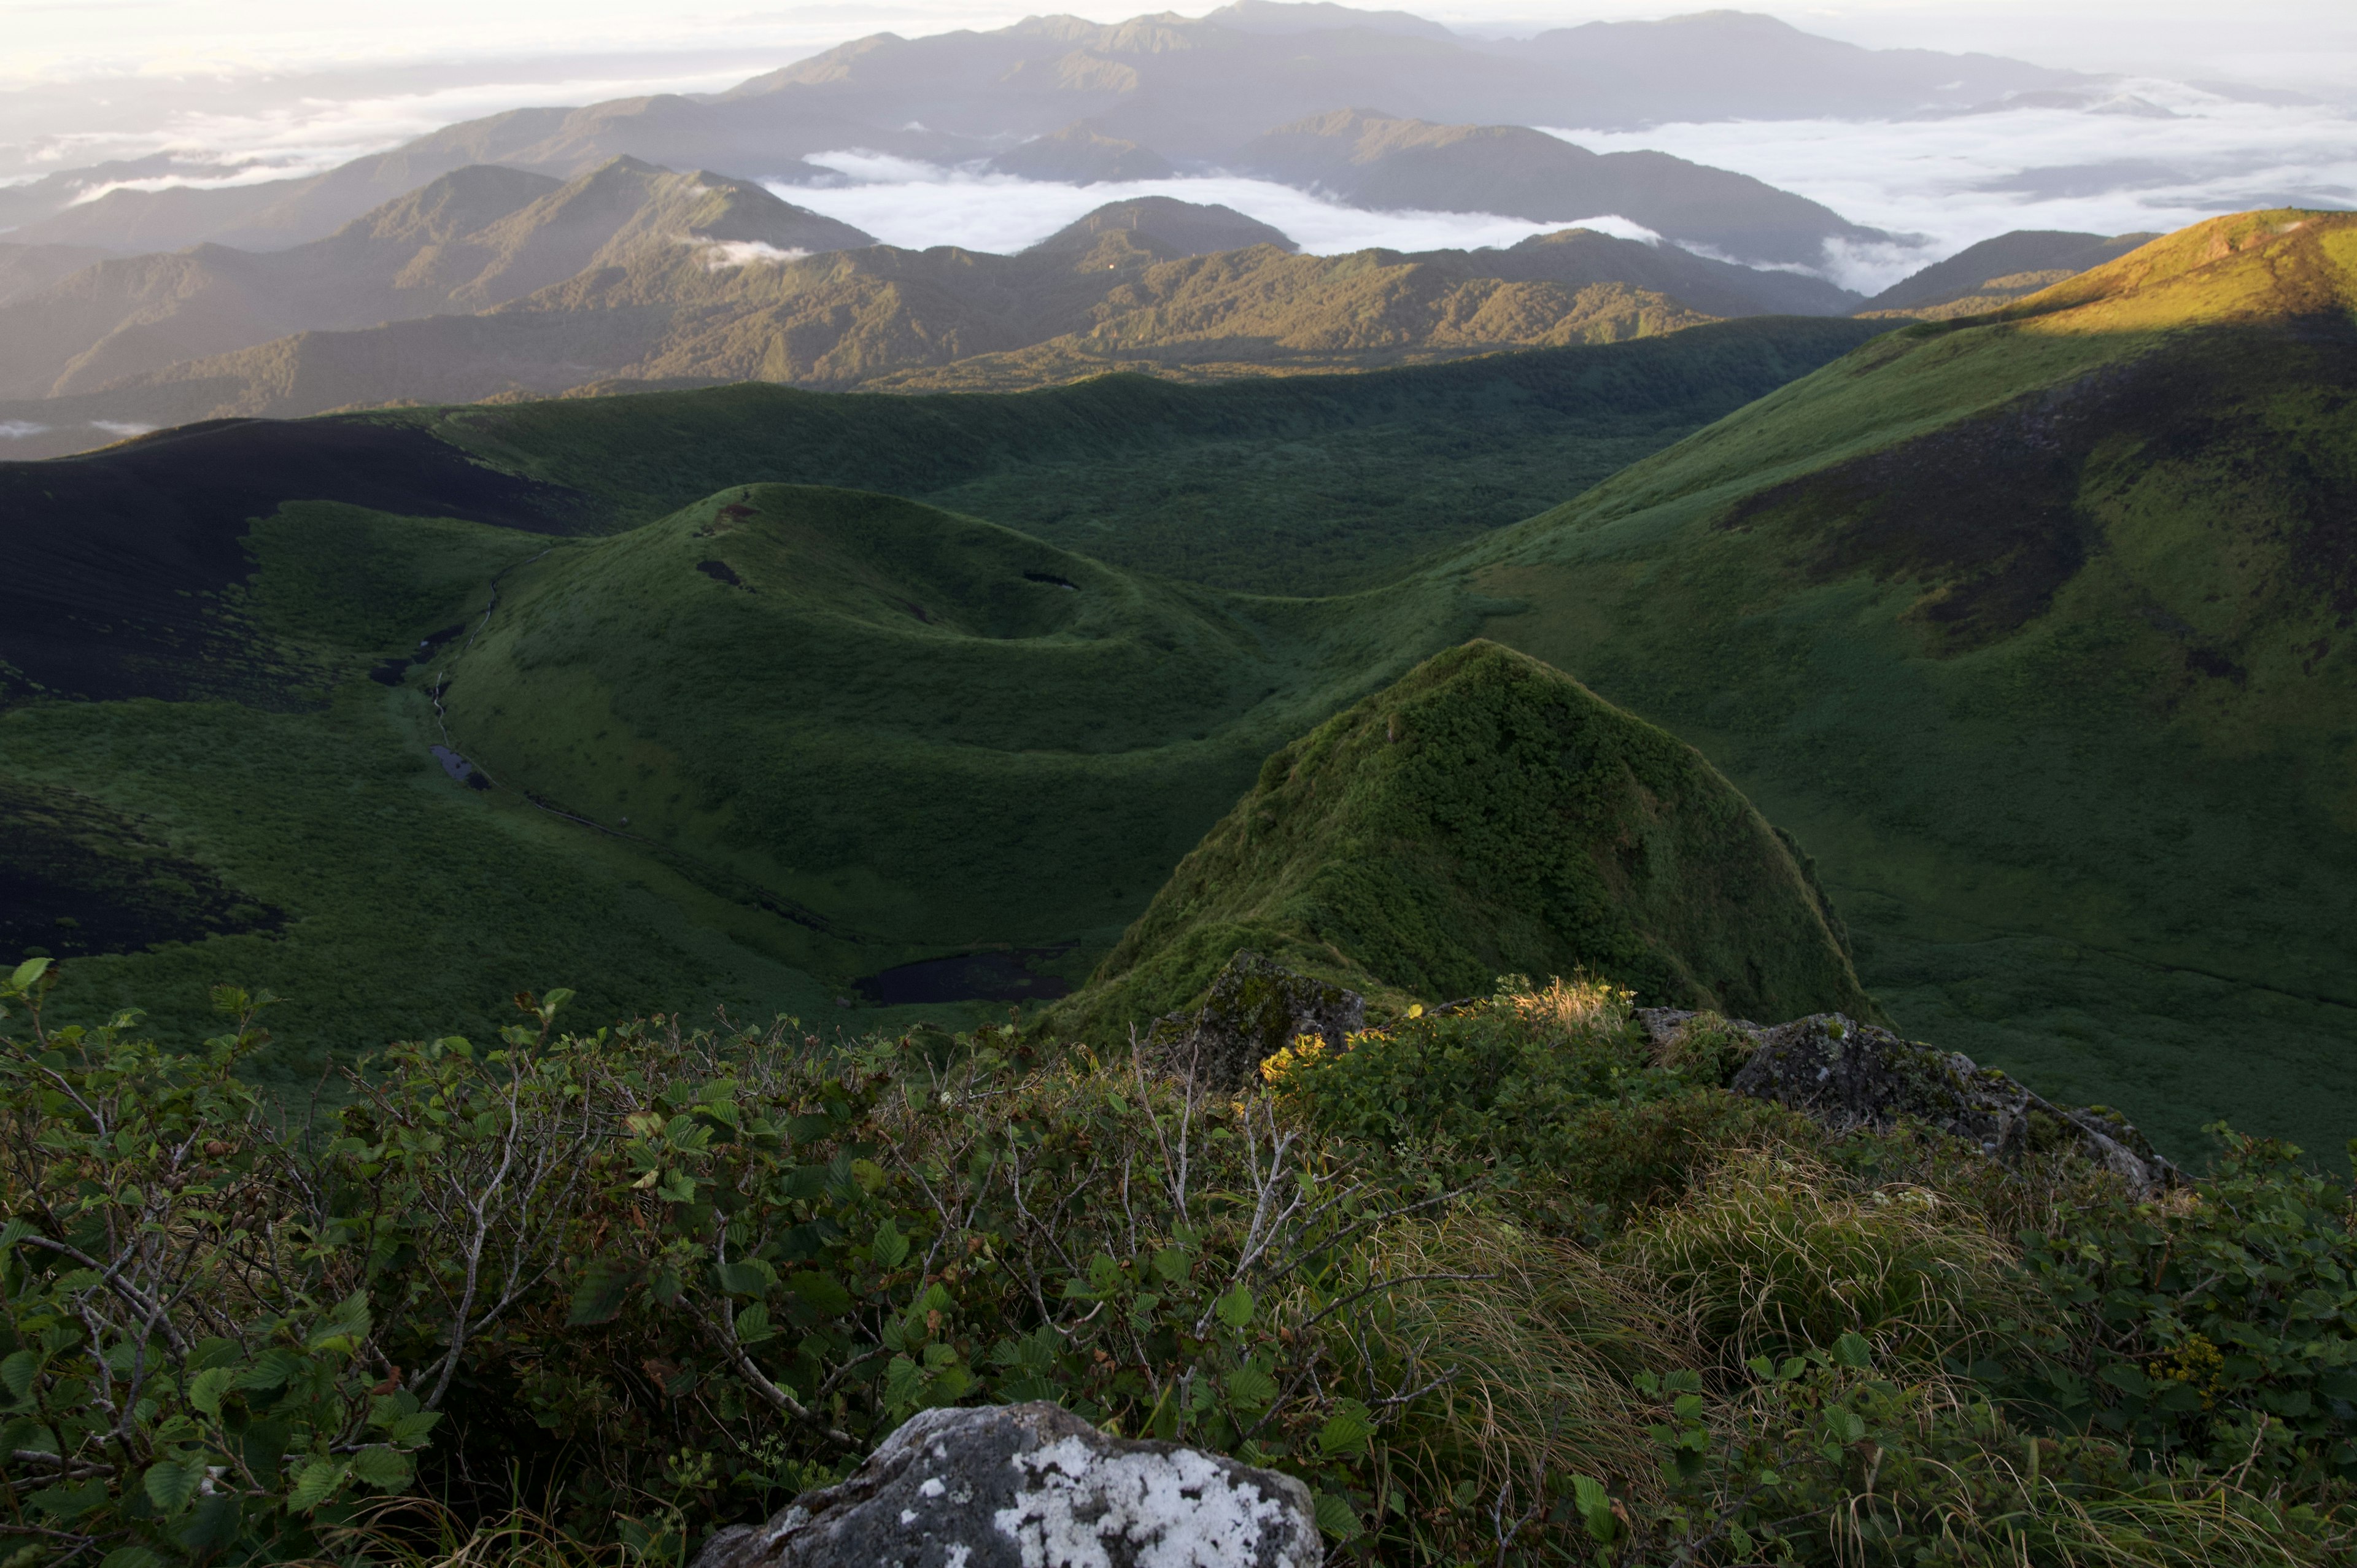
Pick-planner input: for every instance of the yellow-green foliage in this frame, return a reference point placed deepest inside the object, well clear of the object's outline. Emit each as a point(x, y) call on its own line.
point(1488, 815)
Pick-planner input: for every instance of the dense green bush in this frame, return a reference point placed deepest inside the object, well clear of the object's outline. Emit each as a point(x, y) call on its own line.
point(2220, 1324)
point(1546, 1093)
point(1504, 1285)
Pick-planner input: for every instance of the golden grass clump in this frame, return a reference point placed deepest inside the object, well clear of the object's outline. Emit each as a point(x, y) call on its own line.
point(1771, 1253)
point(1574, 1006)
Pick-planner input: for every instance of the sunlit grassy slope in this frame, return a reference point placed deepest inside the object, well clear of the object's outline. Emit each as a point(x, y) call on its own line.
point(2035, 629)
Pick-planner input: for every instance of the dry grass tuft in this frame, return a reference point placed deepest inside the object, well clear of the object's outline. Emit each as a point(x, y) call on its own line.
point(1541, 1339)
point(1574, 1006)
point(1772, 1253)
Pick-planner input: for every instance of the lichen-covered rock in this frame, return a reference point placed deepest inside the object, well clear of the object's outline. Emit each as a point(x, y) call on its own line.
point(1848, 1075)
point(1253, 1009)
point(1031, 1485)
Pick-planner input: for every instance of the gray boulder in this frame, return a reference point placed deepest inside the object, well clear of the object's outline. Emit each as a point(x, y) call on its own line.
point(1032, 1485)
point(1848, 1075)
point(1254, 1008)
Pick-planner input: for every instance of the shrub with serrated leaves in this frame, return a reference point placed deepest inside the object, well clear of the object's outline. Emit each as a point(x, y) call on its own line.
point(182, 1367)
point(2219, 1322)
point(661, 1280)
point(1485, 1281)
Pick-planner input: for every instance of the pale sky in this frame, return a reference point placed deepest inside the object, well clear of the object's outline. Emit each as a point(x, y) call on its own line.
point(242, 90)
point(2312, 42)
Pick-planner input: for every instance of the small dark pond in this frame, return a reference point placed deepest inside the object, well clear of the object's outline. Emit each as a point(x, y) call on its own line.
point(459, 769)
point(1002, 976)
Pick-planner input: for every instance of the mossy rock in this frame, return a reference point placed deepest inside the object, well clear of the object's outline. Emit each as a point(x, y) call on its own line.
point(1254, 1010)
point(1850, 1076)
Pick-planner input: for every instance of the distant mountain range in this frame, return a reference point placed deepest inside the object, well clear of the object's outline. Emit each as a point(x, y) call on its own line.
point(492, 282)
point(1060, 98)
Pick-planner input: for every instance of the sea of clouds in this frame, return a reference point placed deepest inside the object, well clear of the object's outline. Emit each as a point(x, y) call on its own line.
point(1942, 183)
point(2162, 156)
point(2157, 156)
point(915, 205)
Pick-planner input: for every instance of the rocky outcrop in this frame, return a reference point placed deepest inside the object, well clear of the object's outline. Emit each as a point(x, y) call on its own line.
point(1032, 1485)
point(1848, 1075)
point(1254, 1008)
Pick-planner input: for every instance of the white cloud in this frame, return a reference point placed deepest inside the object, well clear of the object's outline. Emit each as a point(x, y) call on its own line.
point(918, 205)
point(19, 429)
point(719, 255)
point(1956, 180)
point(120, 429)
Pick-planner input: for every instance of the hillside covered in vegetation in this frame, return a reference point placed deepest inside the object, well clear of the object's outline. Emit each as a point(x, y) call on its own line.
point(1524, 1282)
point(2023, 627)
point(1485, 815)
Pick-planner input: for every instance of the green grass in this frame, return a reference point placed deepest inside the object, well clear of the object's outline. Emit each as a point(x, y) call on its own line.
point(902, 721)
point(1486, 816)
point(413, 904)
point(1309, 484)
point(2032, 632)
point(2029, 628)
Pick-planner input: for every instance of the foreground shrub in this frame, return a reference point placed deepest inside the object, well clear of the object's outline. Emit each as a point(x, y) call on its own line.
point(1491, 1282)
point(1548, 1094)
point(188, 1365)
point(666, 1280)
point(2219, 1322)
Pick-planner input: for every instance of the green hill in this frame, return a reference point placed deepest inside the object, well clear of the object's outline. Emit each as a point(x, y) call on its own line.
point(2030, 628)
point(1488, 815)
point(916, 729)
point(188, 637)
point(2034, 630)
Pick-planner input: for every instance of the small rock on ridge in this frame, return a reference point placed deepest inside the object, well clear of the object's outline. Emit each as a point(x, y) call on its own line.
point(1032, 1485)
point(1848, 1075)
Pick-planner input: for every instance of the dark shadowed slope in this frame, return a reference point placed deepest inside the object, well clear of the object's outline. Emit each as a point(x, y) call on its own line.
point(117, 560)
